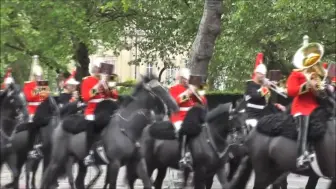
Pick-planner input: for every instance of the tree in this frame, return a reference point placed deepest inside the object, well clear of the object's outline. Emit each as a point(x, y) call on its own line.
point(275, 28)
point(209, 29)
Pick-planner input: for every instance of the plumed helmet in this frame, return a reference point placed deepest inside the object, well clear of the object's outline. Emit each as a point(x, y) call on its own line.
point(36, 68)
point(261, 68)
point(95, 63)
point(71, 79)
point(184, 72)
point(258, 61)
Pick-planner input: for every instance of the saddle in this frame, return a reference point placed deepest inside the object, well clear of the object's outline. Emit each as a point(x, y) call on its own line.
point(282, 124)
point(162, 130)
point(75, 124)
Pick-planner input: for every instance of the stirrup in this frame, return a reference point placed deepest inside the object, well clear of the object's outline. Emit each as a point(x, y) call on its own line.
point(89, 160)
point(302, 162)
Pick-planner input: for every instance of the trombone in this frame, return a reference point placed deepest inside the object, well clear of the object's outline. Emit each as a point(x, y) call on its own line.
point(279, 90)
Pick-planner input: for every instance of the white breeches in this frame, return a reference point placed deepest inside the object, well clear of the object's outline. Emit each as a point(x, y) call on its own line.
point(178, 125)
point(90, 117)
point(251, 122)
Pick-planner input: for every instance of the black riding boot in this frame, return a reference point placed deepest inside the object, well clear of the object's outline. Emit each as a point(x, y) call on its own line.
point(185, 161)
point(36, 153)
point(302, 161)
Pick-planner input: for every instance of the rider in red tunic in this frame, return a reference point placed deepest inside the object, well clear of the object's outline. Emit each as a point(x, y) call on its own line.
point(94, 89)
point(304, 103)
point(8, 79)
point(34, 95)
point(184, 95)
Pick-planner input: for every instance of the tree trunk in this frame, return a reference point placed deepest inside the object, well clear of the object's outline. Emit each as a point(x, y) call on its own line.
point(82, 58)
point(208, 31)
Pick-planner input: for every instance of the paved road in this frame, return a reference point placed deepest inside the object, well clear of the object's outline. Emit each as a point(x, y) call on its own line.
point(294, 181)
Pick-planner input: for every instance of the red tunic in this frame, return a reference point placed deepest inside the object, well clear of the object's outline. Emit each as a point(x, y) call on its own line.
point(33, 99)
point(304, 101)
point(92, 99)
point(179, 93)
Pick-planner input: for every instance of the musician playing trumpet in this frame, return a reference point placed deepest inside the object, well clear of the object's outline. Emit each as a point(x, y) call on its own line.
point(186, 97)
point(94, 89)
point(258, 93)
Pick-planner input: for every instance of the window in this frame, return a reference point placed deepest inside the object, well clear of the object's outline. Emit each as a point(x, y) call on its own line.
point(170, 75)
point(149, 69)
point(110, 60)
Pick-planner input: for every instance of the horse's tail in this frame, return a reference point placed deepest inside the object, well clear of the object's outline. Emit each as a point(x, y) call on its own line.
point(242, 176)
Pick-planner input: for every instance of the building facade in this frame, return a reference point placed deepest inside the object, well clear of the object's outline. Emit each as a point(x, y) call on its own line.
point(132, 72)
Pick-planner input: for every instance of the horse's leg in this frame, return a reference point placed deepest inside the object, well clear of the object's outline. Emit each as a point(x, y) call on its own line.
point(113, 169)
point(141, 170)
point(281, 182)
point(94, 180)
point(186, 174)
point(222, 178)
point(234, 164)
point(312, 182)
point(264, 178)
point(161, 174)
point(106, 178)
point(28, 169)
point(199, 178)
point(209, 182)
point(82, 170)
point(58, 157)
point(131, 175)
point(68, 167)
point(34, 166)
point(14, 166)
point(332, 184)
point(243, 173)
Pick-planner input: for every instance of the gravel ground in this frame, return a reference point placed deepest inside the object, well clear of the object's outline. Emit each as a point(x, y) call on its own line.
point(171, 181)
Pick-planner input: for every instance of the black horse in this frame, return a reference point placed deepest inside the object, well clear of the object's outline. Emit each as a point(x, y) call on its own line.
point(46, 133)
point(160, 111)
point(13, 112)
point(272, 149)
point(209, 146)
point(121, 139)
point(72, 140)
point(45, 119)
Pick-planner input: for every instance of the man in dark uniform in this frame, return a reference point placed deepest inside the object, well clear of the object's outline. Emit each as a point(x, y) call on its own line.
point(69, 93)
point(257, 94)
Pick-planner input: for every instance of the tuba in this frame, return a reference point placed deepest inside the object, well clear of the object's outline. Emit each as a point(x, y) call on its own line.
point(307, 59)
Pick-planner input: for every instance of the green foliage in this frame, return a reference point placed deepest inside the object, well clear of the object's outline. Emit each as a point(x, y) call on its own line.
point(53, 30)
point(126, 87)
point(275, 28)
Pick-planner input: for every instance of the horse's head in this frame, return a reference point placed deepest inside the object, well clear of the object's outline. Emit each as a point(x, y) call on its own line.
point(151, 91)
point(13, 105)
